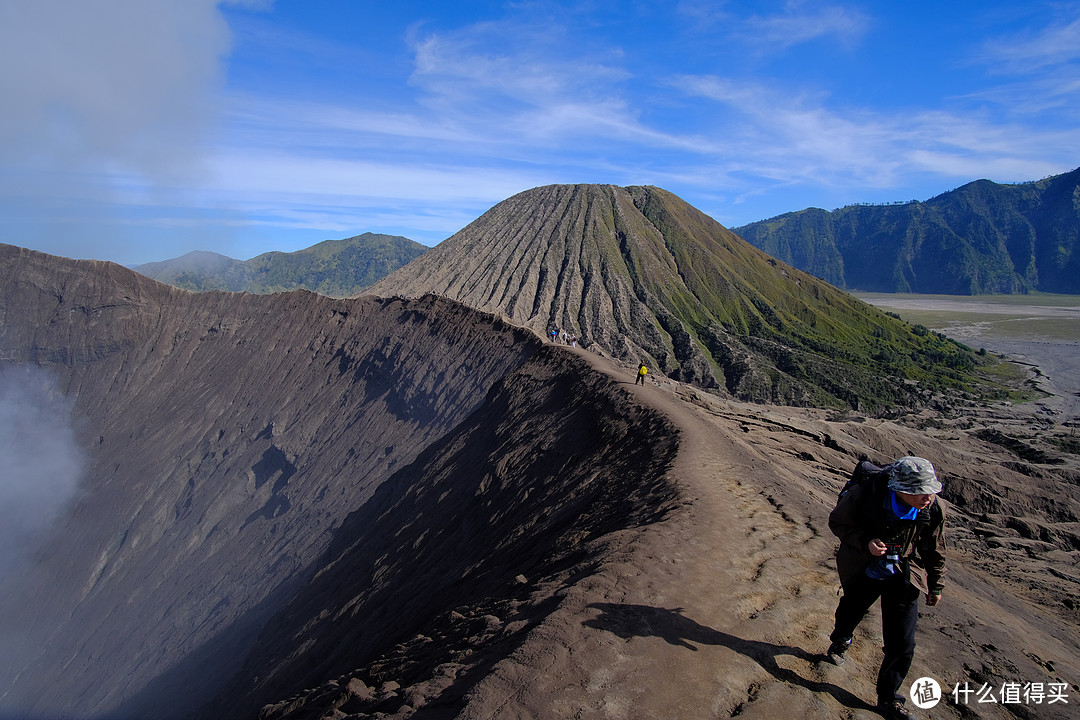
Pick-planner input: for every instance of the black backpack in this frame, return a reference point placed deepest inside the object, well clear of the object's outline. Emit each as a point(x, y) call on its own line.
point(866, 473)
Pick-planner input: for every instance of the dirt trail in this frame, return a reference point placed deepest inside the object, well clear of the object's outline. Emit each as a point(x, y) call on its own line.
point(723, 610)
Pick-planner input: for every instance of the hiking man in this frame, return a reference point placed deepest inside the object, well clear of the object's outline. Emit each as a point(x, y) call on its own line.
point(642, 371)
point(892, 546)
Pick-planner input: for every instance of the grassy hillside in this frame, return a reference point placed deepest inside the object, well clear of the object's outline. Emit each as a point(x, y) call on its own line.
point(338, 268)
point(814, 336)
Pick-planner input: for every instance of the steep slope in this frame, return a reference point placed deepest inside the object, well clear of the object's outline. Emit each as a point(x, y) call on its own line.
point(536, 487)
point(983, 237)
point(640, 275)
point(338, 268)
point(226, 437)
point(713, 598)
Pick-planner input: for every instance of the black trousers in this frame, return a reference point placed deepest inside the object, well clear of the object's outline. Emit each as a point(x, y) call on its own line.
point(899, 615)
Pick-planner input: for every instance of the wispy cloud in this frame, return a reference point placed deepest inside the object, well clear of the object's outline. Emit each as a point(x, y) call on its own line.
point(264, 174)
point(791, 138)
point(1042, 67)
point(802, 22)
point(519, 80)
point(1023, 53)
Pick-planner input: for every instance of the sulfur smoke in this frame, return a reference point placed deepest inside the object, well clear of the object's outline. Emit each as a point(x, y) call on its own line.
point(40, 462)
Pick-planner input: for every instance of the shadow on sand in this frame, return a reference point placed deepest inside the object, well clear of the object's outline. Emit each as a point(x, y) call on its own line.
point(629, 621)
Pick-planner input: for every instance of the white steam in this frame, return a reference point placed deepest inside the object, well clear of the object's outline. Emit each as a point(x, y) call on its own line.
point(40, 462)
point(107, 104)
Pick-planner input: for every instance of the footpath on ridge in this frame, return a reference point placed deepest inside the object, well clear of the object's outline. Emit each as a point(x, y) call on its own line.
point(724, 608)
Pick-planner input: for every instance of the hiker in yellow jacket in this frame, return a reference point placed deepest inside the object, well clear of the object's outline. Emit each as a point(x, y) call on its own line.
point(642, 371)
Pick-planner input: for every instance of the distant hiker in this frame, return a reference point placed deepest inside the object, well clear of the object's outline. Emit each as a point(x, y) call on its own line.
point(554, 335)
point(641, 373)
point(573, 341)
point(892, 546)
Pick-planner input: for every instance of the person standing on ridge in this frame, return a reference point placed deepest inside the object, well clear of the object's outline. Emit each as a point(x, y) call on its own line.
point(892, 546)
point(641, 373)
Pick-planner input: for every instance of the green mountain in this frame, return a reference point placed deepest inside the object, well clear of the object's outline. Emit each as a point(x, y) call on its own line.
point(981, 238)
point(338, 268)
point(640, 275)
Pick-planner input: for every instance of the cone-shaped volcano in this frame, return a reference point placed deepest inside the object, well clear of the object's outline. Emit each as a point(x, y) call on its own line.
point(638, 274)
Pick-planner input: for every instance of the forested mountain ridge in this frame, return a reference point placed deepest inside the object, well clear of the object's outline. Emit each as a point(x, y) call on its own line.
point(338, 268)
point(983, 237)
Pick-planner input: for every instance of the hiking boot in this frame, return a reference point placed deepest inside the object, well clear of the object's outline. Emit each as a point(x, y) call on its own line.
point(836, 652)
point(894, 710)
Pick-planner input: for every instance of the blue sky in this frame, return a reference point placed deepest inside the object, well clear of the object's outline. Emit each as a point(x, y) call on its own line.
point(138, 130)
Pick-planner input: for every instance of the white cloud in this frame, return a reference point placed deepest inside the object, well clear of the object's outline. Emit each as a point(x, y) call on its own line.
point(255, 175)
point(517, 81)
point(1043, 71)
point(525, 101)
point(119, 83)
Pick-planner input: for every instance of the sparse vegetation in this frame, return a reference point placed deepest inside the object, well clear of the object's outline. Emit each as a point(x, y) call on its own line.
point(1068, 444)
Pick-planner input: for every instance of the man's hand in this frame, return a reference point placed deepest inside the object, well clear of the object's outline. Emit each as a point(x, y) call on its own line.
point(932, 600)
point(877, 548)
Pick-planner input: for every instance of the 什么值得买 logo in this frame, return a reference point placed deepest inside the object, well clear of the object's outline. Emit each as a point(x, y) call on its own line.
point(926, 693)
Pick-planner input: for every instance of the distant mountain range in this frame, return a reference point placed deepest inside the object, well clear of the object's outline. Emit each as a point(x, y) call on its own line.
point(338, 268)
point(981, 238)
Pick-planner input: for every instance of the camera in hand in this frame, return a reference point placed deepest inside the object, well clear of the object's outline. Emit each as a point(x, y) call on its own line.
point(886, 566)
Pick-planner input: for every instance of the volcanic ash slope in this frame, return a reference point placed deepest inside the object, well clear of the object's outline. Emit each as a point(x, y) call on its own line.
point(641, 276)
point(225, 437)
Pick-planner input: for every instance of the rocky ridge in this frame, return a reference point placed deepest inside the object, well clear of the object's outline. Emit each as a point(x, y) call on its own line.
point(722, 607)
